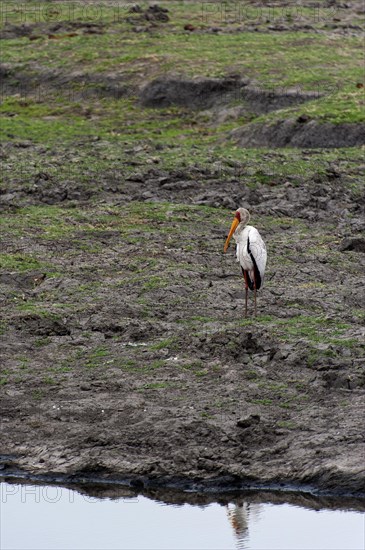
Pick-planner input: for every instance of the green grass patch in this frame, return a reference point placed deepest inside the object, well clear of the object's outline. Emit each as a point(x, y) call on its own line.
point(286, 58)
point(265, 402)
point(153, 283)
point(341, 106)
point(287, 424)
point(19, 262)
point(39, 309)
point(167, 343)
point(315, 329)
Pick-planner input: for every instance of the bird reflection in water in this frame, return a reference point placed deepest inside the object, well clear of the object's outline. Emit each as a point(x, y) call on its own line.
point(240, 515)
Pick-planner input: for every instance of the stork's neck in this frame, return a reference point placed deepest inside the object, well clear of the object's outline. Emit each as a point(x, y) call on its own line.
point(239, 235)
point(240, 228)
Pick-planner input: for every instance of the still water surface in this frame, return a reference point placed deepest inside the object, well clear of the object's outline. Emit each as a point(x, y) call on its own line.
point(49, 517)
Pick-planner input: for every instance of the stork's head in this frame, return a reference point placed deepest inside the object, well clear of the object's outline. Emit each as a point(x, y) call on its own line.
point(240, 216)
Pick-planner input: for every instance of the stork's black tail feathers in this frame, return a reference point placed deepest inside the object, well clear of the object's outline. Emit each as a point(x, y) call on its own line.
point(251, 284)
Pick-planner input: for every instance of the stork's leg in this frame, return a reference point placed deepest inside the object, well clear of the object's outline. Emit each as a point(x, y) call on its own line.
point(254, 291)
point(246, 290)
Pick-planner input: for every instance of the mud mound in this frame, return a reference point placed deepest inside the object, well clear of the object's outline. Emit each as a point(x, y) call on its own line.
point(198, 93)
point(232, 345)
point(201, 93)
point(205, 93)
point(132, 331)
point(154, 14)
point(61, 29)
point(43, 30)
point(299, 133)
point(41, 326)
point(22, 281)
point(78, 85)
point(357, 244)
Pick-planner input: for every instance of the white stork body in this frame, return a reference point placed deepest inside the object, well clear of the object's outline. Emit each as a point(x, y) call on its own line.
point(250, 252)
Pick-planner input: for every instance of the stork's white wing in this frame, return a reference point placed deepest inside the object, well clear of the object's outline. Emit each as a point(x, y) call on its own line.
point(258, 250)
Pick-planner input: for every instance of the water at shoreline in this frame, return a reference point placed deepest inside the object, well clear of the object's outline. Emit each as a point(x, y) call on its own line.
point(53, 518)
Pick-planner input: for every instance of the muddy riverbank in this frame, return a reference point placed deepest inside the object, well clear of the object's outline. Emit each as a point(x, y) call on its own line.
point(124, 350)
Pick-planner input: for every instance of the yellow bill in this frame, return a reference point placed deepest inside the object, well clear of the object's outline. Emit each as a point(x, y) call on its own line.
point(234, 226)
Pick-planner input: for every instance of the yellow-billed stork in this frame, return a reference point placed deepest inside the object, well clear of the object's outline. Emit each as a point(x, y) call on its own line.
point(250, 252)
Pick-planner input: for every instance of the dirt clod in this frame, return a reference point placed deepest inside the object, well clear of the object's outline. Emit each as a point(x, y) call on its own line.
point(357, 244)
